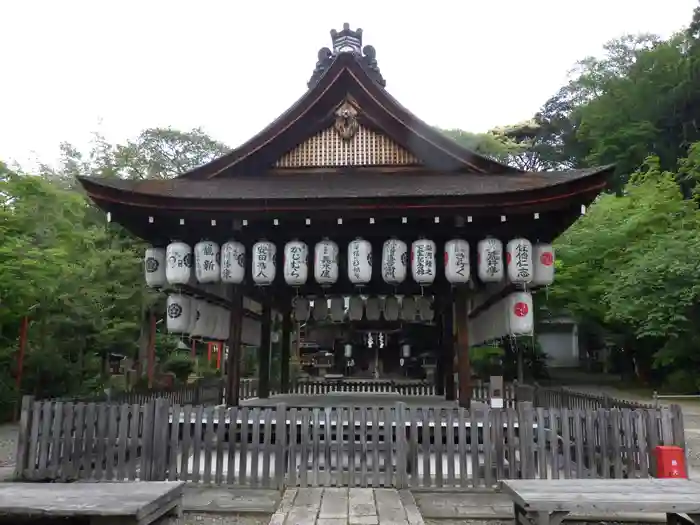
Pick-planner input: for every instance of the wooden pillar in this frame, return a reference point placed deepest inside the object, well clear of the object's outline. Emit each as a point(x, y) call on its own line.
point(448, 347)
point(233, 372)
point(461, 312)
point(440, 353)
point(151, 349)
point(264, 349)
point(286, 343)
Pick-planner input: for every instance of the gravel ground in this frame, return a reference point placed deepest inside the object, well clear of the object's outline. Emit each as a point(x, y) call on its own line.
point(8, 444)
point(214, 519)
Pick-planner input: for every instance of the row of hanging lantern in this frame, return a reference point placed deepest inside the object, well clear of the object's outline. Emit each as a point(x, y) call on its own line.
point(524, 263)
point(512, 315)
point(391, 308)
point(197, 318)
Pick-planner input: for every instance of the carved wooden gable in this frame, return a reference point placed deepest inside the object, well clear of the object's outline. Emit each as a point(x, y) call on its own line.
point(347, 143)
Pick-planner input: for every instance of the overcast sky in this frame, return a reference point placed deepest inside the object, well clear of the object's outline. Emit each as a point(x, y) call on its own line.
point(72, 67)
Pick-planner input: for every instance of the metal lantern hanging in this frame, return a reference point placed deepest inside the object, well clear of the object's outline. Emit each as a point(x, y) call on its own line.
point(301, 308)
point(264, 263)
point(490, 260)
point(520, 319)
point(320, 309)
point(154, 267)
point(408, 308)
point(326, 262)
point(348, 351)
point(424, 306)
point(207, 258)
point(391, 308)
point(232, 262)
point(178, 268)
point(178, 313)
point(423, 261)
point(519, 261)
point(296, 263)
point(543, 262)
point(457, 261)
point(337, 309)
point(373, 309)
point(356, 307)
point(405, 350)
point(360, 262)
point(394, 261)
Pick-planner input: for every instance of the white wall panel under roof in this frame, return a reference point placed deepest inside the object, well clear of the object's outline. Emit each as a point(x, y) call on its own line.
point(250, 334)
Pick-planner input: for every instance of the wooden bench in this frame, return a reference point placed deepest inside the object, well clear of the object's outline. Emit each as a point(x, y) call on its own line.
point(129, 503)
point(548, 502)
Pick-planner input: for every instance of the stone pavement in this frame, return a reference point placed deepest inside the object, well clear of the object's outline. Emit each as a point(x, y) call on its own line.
point(343, 506)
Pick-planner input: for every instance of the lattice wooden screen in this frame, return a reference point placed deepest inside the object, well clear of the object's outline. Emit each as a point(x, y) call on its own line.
point(328, 149)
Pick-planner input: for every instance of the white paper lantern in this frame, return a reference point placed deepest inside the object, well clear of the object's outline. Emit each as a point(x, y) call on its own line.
point(394, 261)
point(178, 267)
point(215, 327)
point(296, 263)
point(211, 322)
point(519, 261)
point(423, 261)
point(232, 262)
point(206, 262)
point(360, 262)
point(154, 267)
point(391, 308)
point(457, 261)
point(543, 262)
point(337, 309)
point(520, 315)
point(356, 307)
point(405, 350)
point(408, 308)
point(348, 351)
point(178, 313)
point(373, 309)
point(425, 308)
point(204, 312)
point(490, 260)
point(226, 328)
point(194, 314)
point(221, 331)
point(320, 311)
point(264, 263)
point(326, 262)
point(301, 307)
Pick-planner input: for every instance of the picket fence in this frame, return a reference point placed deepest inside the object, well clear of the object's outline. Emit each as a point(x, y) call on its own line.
point(563, 397)
point(396, 446)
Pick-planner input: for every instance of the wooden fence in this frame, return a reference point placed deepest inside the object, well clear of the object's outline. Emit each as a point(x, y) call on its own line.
point(397, 446)
point(562, 397)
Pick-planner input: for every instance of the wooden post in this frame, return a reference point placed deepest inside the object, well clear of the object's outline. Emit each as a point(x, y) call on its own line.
point(23, 332)
point(440, 351)
point(448, 347)
point(152, 349)
point(461, 313)
point(233, 373)
point(286, 341)
point(264, 349)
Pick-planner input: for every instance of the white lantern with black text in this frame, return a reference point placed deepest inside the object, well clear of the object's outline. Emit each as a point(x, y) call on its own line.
point(178, 313)
point(360, 262)
point(394, 261)
point(520, 319)
point(373, 309)
point(490, 260)
point(194, 314)
point(543, 262)
point(296, 263)
point(178, 267)
point(232, 262)
point(457, 261)
point(201, 326)
point(301, 307)
point(206, 262)
point(391, 308)
point(154, 267)
point(264, 263)
point(326, 262)
point(423, 261)
point(337, 309)
point(519, 261)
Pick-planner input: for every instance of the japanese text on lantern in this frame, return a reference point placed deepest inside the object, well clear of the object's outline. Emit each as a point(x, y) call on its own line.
point(390, 267)
point(326, 262)
point(261, 256)
point(231, 254)
point(492, 255)
point(522, 260)
point(357, 272)
point(208, 257)
point(424, 259)
point(460, 261)
point(295, 262)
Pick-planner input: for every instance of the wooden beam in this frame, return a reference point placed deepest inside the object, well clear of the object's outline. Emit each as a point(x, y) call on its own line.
point(287, 328)
point(463, 361)
point(233, 373)
point(265, 347)
point(448, 346)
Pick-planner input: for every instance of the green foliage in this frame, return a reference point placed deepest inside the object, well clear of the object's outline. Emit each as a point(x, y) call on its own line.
point(180, 364)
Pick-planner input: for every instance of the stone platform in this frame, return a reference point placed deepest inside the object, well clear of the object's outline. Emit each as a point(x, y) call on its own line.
point(343, 506)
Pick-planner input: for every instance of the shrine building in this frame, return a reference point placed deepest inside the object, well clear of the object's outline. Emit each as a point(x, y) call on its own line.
point(387, 249)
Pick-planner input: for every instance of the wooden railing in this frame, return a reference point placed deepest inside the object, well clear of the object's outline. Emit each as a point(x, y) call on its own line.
point(398, 446)
point(562, 397)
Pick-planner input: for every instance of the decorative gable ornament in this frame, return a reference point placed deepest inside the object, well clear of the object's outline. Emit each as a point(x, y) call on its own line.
point(326, 262)
point(206, 262)
point(490, 260)
point(543, 261)
point(264, 263)
point(423, 261)
point(519, 261)
point(296, 263)
point(457, 261)
point(179, 263)
point(360, 262)
point(232, 262)
point(154, 267)
point(346, 124)
point(394, 261)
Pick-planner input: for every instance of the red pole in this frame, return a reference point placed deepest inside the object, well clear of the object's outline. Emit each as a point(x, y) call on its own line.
point(23, 332)
point(209, 353)
point(218, 356)
point(152, 350)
